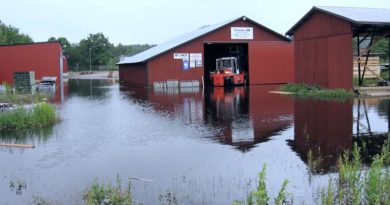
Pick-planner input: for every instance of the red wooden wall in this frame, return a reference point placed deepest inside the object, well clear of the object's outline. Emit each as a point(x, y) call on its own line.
point(133, 73)
point(164, 67)
point(43, 58)
point(271, 62)
point(323, 52)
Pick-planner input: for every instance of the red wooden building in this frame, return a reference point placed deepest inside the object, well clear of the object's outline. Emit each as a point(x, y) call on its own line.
point(44, 58)
point(265, 55)
point(323, 41)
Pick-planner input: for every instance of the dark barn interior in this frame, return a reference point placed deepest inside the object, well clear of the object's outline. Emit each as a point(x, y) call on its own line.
point(213, 51)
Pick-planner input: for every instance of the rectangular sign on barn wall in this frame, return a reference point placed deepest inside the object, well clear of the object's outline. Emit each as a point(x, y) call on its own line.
point(242, 33)
point(195, 60)
point(183, 56)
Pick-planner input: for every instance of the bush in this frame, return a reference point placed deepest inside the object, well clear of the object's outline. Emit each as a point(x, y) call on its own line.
point(41, 115)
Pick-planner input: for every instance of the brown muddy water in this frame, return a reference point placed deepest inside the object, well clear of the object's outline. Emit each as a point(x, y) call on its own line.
point(203, 147)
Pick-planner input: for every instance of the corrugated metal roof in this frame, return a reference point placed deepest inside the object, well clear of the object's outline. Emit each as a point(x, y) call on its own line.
point(355, 15)
point(360, 15)
point(161, 48)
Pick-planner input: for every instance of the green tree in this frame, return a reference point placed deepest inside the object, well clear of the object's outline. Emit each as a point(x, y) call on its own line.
point(66, 46)
point(382, 47)
point(65, 43)
point(98, 46)
point(129, 50)
point(11, 35)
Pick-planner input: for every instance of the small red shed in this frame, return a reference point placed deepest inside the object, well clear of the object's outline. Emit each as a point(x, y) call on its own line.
point(323, 41)
point(44, 58)
point(265, 55)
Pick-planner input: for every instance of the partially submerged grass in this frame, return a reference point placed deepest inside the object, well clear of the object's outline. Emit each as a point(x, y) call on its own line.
point(106, 194)
point(8, 95)
point(316, 92)
point(260, 195)
point(40, 115)
point(356, 183)
point(22, 98)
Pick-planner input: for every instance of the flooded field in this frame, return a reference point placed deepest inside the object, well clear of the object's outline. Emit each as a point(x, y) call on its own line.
point(202, 147)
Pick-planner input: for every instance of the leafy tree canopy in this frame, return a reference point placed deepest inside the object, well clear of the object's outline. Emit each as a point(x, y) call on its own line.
point(11, 35)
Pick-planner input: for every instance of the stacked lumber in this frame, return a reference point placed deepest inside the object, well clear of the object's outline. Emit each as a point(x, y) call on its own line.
point(24, 82)
point(373, 70)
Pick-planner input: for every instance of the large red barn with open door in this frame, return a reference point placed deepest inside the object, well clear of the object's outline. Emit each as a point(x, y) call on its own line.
point(265, 55)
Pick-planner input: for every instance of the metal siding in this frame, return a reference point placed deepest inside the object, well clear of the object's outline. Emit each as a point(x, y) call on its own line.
point(311, 62)
point(164, 67)
point(322, 25)
point(43, 58)
point(66, 69)
point(133, 73)
point(323, 52)
point(340, 62)
point(271, 62)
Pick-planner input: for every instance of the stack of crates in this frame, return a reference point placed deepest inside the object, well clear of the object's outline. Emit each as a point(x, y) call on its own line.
point(24, 82)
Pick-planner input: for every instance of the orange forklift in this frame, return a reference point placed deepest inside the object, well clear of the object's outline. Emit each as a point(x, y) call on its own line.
point(227, 73)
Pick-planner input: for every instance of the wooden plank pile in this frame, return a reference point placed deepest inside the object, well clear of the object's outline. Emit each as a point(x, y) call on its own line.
point(372, 70)
point(24, 82)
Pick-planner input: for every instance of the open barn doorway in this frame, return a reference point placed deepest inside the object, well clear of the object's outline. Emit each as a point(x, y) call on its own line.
point(214, 51)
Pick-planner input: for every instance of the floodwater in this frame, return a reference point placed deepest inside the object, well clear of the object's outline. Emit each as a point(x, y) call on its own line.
point(202, 147)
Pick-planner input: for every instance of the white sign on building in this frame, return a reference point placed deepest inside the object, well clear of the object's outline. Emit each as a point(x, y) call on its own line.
point(195, 60)
point(245, 33)
point(183, 56)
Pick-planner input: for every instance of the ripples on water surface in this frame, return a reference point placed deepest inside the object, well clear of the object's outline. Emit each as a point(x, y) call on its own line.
point(206, 147)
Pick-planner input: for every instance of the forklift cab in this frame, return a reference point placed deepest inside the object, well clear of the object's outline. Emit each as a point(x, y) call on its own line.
point(227, 65)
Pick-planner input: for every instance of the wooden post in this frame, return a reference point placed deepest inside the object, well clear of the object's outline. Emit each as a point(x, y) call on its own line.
point(358, 58)
point(18, 145)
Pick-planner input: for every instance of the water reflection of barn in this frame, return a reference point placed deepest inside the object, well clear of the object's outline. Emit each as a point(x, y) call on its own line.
point(247, 116)
point(324, 130)
point(238, 116)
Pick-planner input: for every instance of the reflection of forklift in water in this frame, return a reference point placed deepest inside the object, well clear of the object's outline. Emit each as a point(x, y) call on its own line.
point(229, 111)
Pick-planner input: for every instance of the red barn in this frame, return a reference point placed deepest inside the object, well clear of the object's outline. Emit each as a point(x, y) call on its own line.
point(323, 43)
point(265, 55)
point(44, 58)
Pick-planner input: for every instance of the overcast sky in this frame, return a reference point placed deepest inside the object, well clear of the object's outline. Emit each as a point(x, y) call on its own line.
point(152, 21)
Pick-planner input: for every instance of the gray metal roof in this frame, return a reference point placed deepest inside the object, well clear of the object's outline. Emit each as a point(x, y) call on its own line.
point(184, 38)
point(355, 15)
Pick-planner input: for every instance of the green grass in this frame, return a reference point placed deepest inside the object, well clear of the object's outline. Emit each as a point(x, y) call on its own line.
point(40, 115)
point(316, 92)
point(356, 183)
point(260, 194)
point(99, 193)
point(19, 99)
point(10, 96)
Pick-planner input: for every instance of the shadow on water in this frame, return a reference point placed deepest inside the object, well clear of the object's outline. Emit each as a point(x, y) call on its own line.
point(238, 116)
point(326, 129)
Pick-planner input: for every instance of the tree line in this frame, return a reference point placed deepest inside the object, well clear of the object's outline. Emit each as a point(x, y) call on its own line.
point(95, 49)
